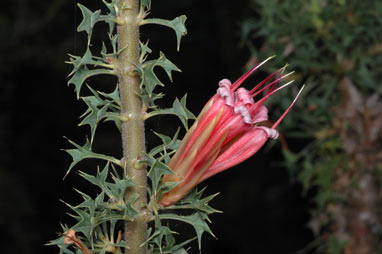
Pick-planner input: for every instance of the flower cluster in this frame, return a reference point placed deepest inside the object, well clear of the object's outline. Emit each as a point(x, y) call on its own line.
point(226, 132)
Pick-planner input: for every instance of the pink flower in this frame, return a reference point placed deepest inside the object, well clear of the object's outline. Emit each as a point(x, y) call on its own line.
point(226, 132)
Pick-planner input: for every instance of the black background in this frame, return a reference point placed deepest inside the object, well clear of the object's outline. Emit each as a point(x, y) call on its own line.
point(264, 210)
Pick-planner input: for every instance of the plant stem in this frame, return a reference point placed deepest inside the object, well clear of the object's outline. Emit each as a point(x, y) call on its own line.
point(133, 136)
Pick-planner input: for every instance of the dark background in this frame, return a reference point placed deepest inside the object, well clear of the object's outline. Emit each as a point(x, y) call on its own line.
point(264, 211)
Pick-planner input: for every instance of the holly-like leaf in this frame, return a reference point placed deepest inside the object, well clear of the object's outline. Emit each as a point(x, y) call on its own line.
point(178, 24)
point(157, 238)
point(84, 217)
point(115, 117)
point(178, 109)
point(93, 115)
point(149, 78)
point(84, 152)
point(83, 73)
point(178, 249)
point(157, 170)
point(114, 96)
point(99, 180)
point(198, 220)
point(195, 201)
point(114, 190)
point(169, 144)
point(149, 100)
point(59, 242)
point(107, 109)
point(109, 19)
point(86, 59)
point(145, 50)
point(78, 61)
point(88, 21)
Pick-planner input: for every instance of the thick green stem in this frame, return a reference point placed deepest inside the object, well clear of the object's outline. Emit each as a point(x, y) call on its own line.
point(133, 136)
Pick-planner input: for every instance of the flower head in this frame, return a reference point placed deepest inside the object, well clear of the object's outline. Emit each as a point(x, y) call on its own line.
point(226, 132)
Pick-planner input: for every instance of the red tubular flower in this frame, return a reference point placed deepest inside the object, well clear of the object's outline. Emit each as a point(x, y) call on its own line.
point(225, 133)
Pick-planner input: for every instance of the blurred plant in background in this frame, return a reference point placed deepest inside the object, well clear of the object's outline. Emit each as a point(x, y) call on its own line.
point(335, 142)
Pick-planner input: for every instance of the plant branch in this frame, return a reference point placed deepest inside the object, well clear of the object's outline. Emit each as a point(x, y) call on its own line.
point(133, 140)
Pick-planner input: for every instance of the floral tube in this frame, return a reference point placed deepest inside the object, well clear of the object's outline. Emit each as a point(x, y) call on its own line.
point(226, 132)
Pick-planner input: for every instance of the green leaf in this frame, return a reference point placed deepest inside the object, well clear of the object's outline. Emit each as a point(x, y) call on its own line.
point(86, 59)
point(115, 117)
point(83, 73)
point(178, 249)
point(195, 201)
point(101, 109)
point(89, 20)
point(178, 24)
point(145, 50)
point(149, 78)
point(115, 191)
point(169, 144)
point(59, 242)
point(109, 108)
point(178, 109)
point(158, 236)
point(149, 100)
point(157, 170)
point(78, 61)
point(114, 96)
point(197, 220)
point(85, 223)
point(146, 4)
point(93, 115)
point(84, 152)
point(109, 19)
point(99, 180)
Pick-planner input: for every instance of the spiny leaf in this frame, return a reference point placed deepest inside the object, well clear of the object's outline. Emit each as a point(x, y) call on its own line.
point(144, 51)
point(96, 100)
point(169, 144)
point(178, 249)
point(149, 78)
point(85, 223)
point(157, 170)
point(86, 59)
point(78, 61)
point(149, 100)
point(158, 236)
point(109, 19)
point(115, 192)
point(109, 111)
point(84, 152)
point(113, 40)
point(115, 117)
point(114, 96)
point(89, 20)
point(99, 180)
point(197, 220)
point(93, 115)
point(83, 73)
point(60, 242)
point(163, 238)
point(195, 201)
point(178, 109)
point(178, 24)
